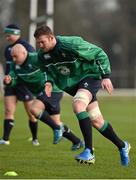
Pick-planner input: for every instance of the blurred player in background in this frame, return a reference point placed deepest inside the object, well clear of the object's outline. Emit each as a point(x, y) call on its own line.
point(80, 69)
point(47, 109)
point(20, 92)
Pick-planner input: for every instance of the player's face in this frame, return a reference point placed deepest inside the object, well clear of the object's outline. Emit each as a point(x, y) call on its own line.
point(11, 38)
point(45, 42)
point(18, 58)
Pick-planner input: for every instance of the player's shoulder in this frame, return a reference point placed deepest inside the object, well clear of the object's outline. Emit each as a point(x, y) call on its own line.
point(27, 45)
point(21, 41)
point(68, 42)
point(68, 38)
point(32, 57)
point(32, 54)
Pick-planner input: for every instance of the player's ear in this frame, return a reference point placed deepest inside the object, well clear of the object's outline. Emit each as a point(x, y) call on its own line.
point(51, 37)
point(25, 53)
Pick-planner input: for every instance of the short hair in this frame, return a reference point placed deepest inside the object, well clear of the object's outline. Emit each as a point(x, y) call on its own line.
point(12, 29)
point(43, 30)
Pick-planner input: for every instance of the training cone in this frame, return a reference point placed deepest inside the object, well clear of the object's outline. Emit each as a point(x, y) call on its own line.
point(10, 173)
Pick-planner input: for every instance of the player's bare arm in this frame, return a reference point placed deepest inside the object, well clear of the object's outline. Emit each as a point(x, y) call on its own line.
point(48, 89)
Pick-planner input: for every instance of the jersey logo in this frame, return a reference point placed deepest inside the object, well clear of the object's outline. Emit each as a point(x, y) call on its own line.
point(17, 66)
point(30, 66)
point(47, 56)
point(85, 84)
point(27, 97)
point(9, 49)
point(64, 70)
point(63, 55)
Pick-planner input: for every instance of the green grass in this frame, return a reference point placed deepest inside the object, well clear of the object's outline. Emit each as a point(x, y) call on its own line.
point(50, 161)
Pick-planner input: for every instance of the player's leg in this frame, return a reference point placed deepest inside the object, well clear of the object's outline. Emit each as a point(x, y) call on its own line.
point(80, 103)
point(87, 89)
point(54, 110)
point(24, 95)
point(107, 131)
point(33, 123)
point(77, 143)
point(39, 111)
point(10, 102)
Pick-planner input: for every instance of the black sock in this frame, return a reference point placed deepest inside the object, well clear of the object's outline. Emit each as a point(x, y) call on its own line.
point(70, 135)
point(45, 117)
point(33, 127)
point(8, 125)
point(86, 128)
point(108, 132)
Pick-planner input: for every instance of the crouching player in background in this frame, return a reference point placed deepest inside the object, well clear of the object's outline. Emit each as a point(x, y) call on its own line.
point(25, 68)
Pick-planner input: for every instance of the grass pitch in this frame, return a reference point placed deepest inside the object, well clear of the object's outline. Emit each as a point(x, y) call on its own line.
point(50, 161)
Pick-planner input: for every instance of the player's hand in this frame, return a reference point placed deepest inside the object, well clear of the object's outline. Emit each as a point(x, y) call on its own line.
point(107, 84)
point(7, 79)
point(48, 89)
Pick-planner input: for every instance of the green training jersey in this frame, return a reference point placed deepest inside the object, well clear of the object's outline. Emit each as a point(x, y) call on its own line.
point(30, 74)
point(73, 59)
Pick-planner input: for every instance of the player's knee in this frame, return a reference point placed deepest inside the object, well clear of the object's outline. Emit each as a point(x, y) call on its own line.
point(95, 114)
point(96, 117)
point(80, 101)
point(34, 111)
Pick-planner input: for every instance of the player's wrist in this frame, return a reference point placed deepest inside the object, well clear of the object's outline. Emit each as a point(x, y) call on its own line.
point(49, 83)
point(105, 76)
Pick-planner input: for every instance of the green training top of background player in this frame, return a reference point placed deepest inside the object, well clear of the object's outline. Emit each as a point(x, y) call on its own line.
point(30, 74)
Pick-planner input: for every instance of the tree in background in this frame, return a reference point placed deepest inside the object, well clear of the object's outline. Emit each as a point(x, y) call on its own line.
point(110, 24)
